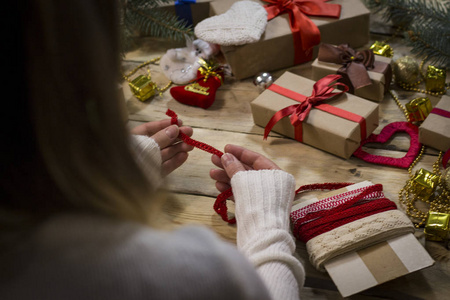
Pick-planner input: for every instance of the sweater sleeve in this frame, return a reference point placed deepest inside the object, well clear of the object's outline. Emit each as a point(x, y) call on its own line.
point(263, 201)
point(148, 156)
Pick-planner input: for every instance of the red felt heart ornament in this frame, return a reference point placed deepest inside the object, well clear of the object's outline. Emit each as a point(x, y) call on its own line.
point(386, 133)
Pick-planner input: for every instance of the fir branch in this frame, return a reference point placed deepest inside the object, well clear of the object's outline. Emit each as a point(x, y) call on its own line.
point(148, 18)
point(426, 24)
point(408, 11)
point(162, 24)
point(430, 42)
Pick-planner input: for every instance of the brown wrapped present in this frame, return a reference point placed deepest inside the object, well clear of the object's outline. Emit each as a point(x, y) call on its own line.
point(277, 46)
point(336, 123)
point(192, 11)
point(435, 130)
point(367, 75)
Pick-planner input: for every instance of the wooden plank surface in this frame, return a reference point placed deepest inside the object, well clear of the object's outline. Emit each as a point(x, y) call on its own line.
point(229, 120)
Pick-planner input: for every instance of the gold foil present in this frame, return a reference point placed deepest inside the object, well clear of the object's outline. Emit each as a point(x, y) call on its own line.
point(382, 49)
point(437, 226)
point(424, 183)
point(418, 109)
point(435, 79)
point(142, 87)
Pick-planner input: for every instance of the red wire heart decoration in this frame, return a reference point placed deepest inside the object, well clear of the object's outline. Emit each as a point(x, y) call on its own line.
point(386, 133)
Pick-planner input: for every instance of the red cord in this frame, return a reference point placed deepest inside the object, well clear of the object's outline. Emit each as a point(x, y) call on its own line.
point(220, 205)
point(314, 223)
point(360, 206)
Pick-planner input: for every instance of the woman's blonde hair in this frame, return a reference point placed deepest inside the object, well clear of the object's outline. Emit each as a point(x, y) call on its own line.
point(71, 152)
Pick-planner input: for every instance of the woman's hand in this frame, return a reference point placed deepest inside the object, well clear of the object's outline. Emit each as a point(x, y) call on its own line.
point(173, 151)
point(235, 159)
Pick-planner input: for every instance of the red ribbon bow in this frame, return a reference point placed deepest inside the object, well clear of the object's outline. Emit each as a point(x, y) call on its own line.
point(305, 33)
point(322, 90)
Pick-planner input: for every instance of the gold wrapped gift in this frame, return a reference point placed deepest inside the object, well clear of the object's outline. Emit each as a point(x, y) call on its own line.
point(143, 87)
point(435, 79)
point(424, 183)
point(437, 226)
point(382, 49)
point(418, 109)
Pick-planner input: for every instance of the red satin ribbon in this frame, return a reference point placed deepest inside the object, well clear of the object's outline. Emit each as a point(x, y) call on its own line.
point(440, 112)
point(322, 90)
point(446, 158)
point(445, 114)
point(304, 32)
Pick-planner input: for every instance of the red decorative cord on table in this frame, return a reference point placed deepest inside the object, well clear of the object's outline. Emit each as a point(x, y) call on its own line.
point(358, 204)
point(319, 217)
point(220, 206)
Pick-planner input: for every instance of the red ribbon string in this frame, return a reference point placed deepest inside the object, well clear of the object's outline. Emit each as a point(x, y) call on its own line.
point(322, 187)
point(440, 112)
point(322, 90)
point(304, 32)
point(359, 206)
point(192, 142)
point(446, 158)
point(220, 205)
point(445, 114)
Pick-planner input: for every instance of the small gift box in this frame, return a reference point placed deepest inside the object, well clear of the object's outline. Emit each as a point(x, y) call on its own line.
point(418, 109)
point(143, 87)
point(435, 79)
point(437, 227)
point(435, 130)
point(336, 125)
point(366, 74)
point(191, 11)
point(424, 183)
point(283, 46)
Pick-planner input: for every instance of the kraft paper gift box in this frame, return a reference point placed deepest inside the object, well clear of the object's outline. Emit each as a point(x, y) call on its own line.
point(192, 11)
point(379, 76)
point(275, 50)
point(435, 130)
point(323, 130)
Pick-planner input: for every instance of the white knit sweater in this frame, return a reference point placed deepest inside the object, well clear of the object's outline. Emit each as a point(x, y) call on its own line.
point(80, 256)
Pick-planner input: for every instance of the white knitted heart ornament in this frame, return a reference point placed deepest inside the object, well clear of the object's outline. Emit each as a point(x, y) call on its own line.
point(243, 23)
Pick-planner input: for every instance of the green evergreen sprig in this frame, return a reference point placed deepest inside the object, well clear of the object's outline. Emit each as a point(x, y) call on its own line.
point(148, 18)
point(426, 25)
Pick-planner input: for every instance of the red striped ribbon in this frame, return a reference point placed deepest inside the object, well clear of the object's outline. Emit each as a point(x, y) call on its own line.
point(360, 205)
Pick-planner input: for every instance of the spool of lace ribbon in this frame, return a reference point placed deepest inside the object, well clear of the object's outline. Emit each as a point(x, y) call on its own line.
point(353, 218)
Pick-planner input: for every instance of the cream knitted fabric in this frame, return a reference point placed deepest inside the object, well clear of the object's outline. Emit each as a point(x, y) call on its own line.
point(357, 235)
point(243, 23)
point(148, 157)
point(263, 201)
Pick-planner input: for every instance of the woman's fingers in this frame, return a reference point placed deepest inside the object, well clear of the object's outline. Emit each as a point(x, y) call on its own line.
point(169, 152)
point(250, 158)
point(216, 161)
point(173, 163)
point(150, 128)
point(219, 175)
point(222, 187)
point(231, 164)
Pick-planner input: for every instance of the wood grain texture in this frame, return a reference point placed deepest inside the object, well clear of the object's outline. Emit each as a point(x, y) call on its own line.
point(229, 120)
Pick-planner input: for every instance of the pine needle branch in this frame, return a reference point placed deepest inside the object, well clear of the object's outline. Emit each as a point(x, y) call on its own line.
point(426, 24)
point(148, 18)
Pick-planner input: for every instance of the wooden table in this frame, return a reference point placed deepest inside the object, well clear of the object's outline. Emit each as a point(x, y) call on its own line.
point(229, 120)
